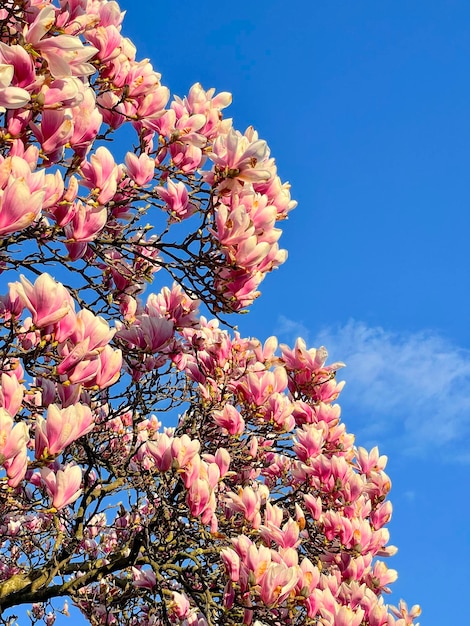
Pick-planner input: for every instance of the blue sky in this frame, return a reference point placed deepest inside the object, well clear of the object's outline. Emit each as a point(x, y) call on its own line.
point(365, 106)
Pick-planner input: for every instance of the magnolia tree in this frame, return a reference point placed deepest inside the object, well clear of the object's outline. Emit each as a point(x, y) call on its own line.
point(255, 507)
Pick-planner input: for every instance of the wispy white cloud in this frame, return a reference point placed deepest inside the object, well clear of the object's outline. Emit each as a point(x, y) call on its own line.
point(411, 388)
point(289, 330)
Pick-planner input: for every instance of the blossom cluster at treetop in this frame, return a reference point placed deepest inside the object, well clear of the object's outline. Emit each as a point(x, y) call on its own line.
point(256, 506)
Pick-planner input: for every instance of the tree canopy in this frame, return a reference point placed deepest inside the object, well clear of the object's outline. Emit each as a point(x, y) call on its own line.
point(157, 467)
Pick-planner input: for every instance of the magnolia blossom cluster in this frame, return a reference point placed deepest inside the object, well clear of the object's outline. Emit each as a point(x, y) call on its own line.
point(256, 507)
point(259, 479)
point(72, 353)
point(295, 514)
point(68, 78)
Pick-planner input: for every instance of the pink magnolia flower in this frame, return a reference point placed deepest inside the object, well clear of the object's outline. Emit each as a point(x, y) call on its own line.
point(11, 393)
point(101, 175)
point(73, 355)
point(370, 461)
point(92, 327)
point(257, 387)
point(69, 393)
point(87, 222)
point(287, 537)
point(241, 157)
point(11, 97)
point(407, 615)
point(277, 583)
point(238, 286)
point(62, 92)
point(204, 103)
point(13, 442)
point(346, 616)
point(47, 300)
point(222, 459)
point(232, 226)
point(140, 168)
point(193, 470)
point(64, 209)
point(74, 19)
point(299, 357)
point(54, 189)
point(45, 392)
point(79, 370)
point(112, 109)
point(247, 502)
point(309, 441)
point(200, 101)
point(16, 468)
point(65, 54)
point(230, 420)
point(179, 606)
point(128, 307)
point(63, 485)
point(144, 579)
point(40, 23)
point(65, 327)
point(309, 576)
point(107, 40)
point(109, 368)
point(150, 334)
point(314, 504)
point(150, 107)
point(175, 305)
point(381, 515)
point(381, 576)
point(255, 560)
point(87, 120)
point(177, 200)
point(198, 497)
point(20, 202)
point(110, 14)
point(140, 78)
point(273, 514)
point(262, 213)
point(278, 194)
point(61, 428)
point(186, 157)
point(29, 154)
point(232, 563)
point(187, 126)
point(24, 74)
point(13, 438)
point(160, 449)
point(17, 121)
point(278, 411)
point(183, 450)
point(53, 131)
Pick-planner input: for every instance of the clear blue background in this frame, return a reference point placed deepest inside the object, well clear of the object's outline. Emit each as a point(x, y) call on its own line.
point(366, 108)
